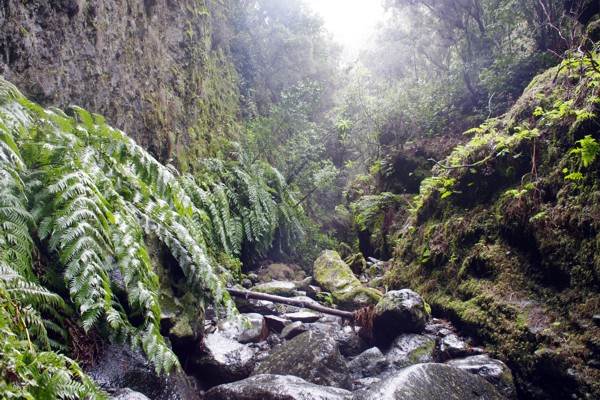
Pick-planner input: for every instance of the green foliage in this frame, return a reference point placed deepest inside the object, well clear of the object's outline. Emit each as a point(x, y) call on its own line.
point(588, 150)
point(88, 195)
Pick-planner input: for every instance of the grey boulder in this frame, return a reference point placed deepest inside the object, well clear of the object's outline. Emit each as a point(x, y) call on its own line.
point(275, 387)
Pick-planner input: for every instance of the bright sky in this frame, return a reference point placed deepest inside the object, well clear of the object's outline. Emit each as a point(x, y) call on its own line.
point(349, 20)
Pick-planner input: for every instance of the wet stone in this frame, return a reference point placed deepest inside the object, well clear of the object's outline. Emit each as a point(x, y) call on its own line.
point(303, 316)
point(293, 330)
point(276, 387)
point(409, 349)
point(276, 323)
point(451, 346)
point(311, 356)
point(432, 382)
point(494, 371)
point(369, 363)
point(399, 311)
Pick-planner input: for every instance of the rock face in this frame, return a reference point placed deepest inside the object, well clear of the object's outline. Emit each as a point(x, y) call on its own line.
point(135, 55)
point(275, 387)
point(311, 356)
point(121, 367)
point(431, 382)
point(399, 311)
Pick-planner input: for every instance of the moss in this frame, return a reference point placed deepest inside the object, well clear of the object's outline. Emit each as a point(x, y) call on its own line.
point(357, 298)
point(332, 273)
point(514, 261)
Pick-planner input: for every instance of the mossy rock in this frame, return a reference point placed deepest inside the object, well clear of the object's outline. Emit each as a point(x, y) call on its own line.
point(278, 288)
point(357, 263)
point(333, 274)
point(357, 298)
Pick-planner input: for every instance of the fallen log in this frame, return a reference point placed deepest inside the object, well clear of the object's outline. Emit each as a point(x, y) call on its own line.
point(247, 294)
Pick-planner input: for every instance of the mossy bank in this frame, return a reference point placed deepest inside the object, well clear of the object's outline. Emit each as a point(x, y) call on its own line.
point(504, 237)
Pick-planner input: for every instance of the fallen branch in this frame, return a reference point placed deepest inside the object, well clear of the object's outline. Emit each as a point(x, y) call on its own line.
point(247, 294)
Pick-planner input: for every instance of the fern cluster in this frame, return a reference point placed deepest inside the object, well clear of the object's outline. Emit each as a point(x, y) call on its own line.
point(84, 195)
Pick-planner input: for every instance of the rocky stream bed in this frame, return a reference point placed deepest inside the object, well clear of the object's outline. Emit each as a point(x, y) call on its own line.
point(279, 352)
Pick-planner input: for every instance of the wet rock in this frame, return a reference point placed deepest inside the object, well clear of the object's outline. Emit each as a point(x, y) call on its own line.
point(275, 387)
point(311, 356)
point(494, 371)
point(128, 394)
point(357, 298)
point(303, 316)
point(596, 319)
point(369, 363)
point(263, 307)
point(356, 262)
point(293, 330)
point(431, 382)
point(276, 323)
point(277, 288)
point(247, 329)
point(399, 311)
point(349, 341)
point(223, 360)
point(281, 272)
point(333, 274)
point(121, 367)
point(409, 349)
point(451, 346)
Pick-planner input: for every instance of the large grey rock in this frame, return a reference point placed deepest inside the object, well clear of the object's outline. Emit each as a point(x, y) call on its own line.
point(223, 360)
point(275, 387)
point(350, 343)
point(451, 346)
point(409, 349)
point(262, 307)
point(311, 356)
point(399, 311)
point(356, 298)
point(128, 394)
point(247, 329)
point(369, 363)
point(277, 288)
point(121, 367)
point(432, 382)
point(293, 330)
point(494, 371)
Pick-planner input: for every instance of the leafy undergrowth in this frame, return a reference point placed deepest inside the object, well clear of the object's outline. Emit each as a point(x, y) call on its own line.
point(78, 198)
point(505, 236)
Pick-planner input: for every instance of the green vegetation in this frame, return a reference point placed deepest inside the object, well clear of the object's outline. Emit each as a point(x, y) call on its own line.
point(78, 197)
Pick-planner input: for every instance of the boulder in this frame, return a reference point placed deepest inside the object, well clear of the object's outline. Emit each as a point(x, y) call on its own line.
point(276, 323)
point(409, 349)
point(128, 394)
point(451, 346)
point(333, 274)
point(121, 367)
point(369, 363)
point(432, 382)
point(222, 360)
point(262, 307)
point(357, 298)
point(281, 272)
point(311, 356)
point(349, 341)
point(399, 311)
point(275, 387)
point(303, 316)
point(293, 330)
point(247, 329)
point(277, 288)
point(494, 371)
